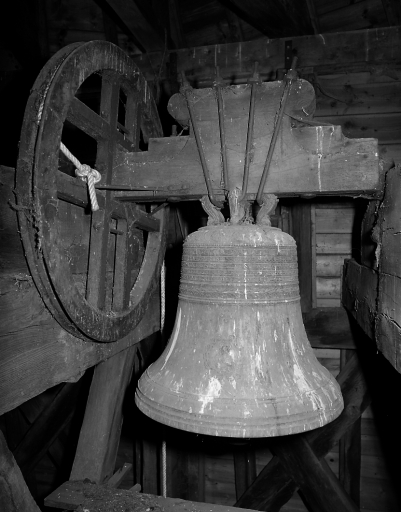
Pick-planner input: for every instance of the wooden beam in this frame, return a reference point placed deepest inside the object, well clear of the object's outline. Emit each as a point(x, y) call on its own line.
point(329, 328)
point(319, 485)
point(72, 495)
point(46, 428)
point(274, 487)
point(273, 18)
point(14, 493)
point(359, 293)
point(100, 433)
point(363, 50)
point(31, 339)
point(171, 167)
point(147, 34)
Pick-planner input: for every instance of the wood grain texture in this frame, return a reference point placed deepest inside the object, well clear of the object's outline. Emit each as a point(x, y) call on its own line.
point(14, 493)
point(100, 433)
point(359, 292)
point(235, 60)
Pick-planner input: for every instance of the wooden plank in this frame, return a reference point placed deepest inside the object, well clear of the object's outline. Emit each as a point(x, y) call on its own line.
point(350, 451)
point(14, 493)
point(100, 433)
point(301, 231)
point(334, 220)
point(313, 252)
point(368, 245)
point(329, 328)
point(388, 339)
point(389, 222)
point(330, 265)
point(273, 18)
point(36, 353)
point(171, 166)
point(323, 53)
point(336, 99)
point(353, 16)
point(143, 30)
point(336, 243)
point(386, 127)
point(328, 303)
point(71, 495)
point(359, 294)
point(328, 287)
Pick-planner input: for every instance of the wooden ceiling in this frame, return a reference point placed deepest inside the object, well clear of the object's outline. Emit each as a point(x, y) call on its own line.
point(157, 24)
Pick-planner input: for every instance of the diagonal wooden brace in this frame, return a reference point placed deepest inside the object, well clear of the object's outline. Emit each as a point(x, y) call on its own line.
point(275, 484)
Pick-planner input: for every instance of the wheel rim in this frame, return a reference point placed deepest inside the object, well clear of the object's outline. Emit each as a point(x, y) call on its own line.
point(54, 203)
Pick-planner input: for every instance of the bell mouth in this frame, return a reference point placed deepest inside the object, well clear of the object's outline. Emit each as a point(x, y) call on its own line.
point(265, 418)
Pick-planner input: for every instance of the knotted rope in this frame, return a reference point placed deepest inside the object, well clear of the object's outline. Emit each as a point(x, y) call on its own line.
point(86, 173)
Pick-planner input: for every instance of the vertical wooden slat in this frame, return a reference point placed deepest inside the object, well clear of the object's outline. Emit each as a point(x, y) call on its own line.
point(100, 433)
point(350, 450)
point(301, 231)
point(100, 229)
point(313, 253)
point(14, 493)
point(244, 467)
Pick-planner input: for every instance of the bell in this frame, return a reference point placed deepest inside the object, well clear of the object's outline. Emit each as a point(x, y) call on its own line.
point(238, 363)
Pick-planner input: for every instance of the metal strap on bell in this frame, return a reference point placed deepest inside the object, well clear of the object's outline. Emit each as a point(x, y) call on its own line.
point(238, 363)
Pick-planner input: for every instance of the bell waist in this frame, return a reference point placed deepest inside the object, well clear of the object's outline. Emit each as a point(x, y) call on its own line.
point(239, 274)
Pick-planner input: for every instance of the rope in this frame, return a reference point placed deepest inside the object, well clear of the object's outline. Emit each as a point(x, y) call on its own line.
point(86, 173)
point(162, 320)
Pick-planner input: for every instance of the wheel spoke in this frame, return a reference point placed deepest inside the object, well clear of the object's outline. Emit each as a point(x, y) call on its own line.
point(142, 220)
point(98, 247)
point(121, 281)
point(75, 191)
point(84, 118)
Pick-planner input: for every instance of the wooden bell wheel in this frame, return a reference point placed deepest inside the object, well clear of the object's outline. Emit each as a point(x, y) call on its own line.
point(96, 270)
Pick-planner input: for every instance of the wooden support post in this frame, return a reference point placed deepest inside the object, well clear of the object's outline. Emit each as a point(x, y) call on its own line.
point(350, 450)
point(244, 468)
point(301, 231)
point(100, 433)
point(14, 493)
point(323, 491)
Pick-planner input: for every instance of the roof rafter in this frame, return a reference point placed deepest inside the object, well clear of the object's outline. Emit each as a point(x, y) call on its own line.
point(276, 18)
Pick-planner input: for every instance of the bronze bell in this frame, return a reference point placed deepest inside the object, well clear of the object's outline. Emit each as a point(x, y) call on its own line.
point(238, 363)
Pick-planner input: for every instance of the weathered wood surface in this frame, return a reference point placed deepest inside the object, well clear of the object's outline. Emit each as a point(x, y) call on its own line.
point(85, 307)
point(35, 352)
point(350, 451)
point(374, 296)
point(100, 433)
point(359, 292)
point(306, 159)
point(72, 495)
point(14, 493)
point(323, 53)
